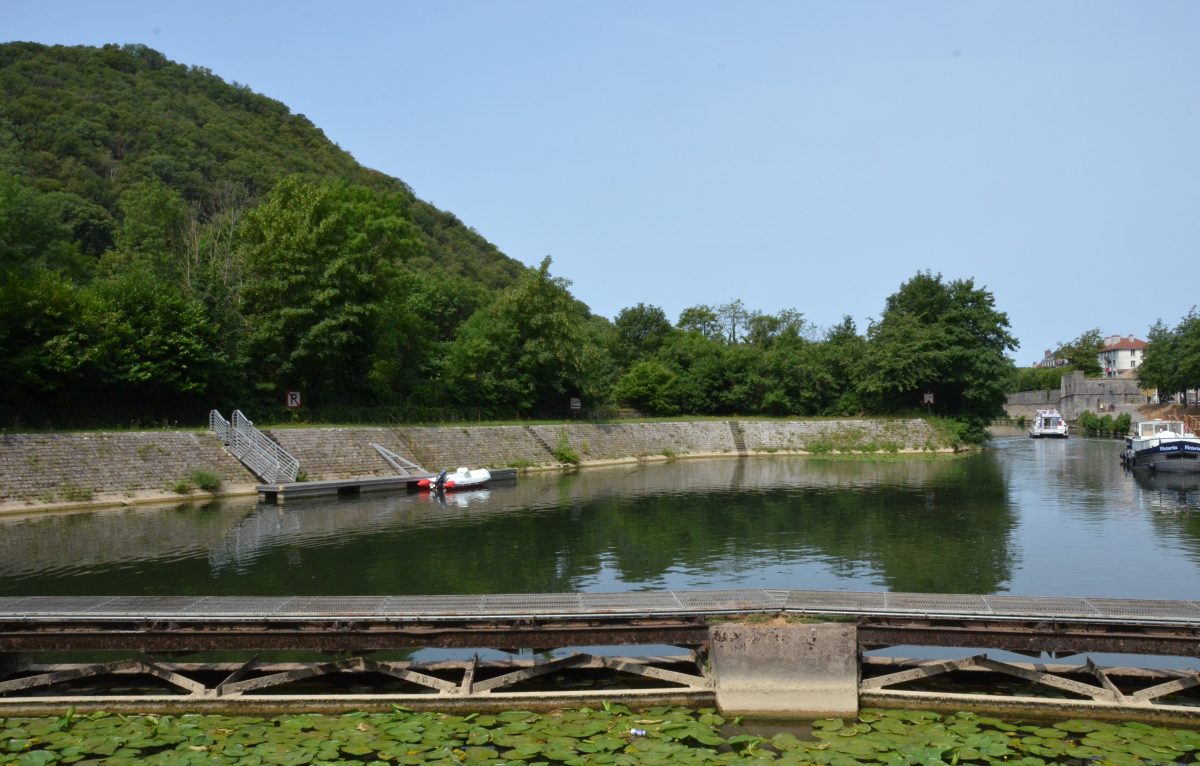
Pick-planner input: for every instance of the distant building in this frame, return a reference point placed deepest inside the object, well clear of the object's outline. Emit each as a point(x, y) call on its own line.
point(1120, 357)
point(1050, 360)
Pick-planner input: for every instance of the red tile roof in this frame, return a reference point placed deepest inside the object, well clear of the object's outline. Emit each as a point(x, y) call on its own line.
point(1125, 344)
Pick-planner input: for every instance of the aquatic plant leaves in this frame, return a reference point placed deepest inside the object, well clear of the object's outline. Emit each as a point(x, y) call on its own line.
point(612, 736)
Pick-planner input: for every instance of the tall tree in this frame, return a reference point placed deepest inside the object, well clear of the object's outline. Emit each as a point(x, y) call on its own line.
point(321, 260)
point(1083, 352)
point(942, 338)
point(526, 353)
point(1160, 368)
point(640, 331)
point(701, 319)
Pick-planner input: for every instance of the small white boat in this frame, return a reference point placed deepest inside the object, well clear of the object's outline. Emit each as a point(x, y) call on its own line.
point(1162, 445)
point(463, 478)
point(1048, 423)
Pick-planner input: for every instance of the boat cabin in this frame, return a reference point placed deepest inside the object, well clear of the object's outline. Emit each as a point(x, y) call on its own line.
point(1149, 428)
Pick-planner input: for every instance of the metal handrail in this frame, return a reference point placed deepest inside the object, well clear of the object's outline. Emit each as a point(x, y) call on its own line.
point(275, 460)
point(269, 461)
point(399, 462)
point(219, 426)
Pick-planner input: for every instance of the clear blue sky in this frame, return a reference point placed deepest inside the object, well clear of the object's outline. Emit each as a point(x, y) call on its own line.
point(807, 155)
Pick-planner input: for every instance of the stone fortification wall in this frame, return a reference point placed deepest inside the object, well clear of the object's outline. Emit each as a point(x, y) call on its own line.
point(1080, 393)
point(1076, 394)
point(45, 469)
point(62, 468)
point(1026, 403)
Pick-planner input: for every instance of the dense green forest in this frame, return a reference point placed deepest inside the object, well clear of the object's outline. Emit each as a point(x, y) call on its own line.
point(171, 243)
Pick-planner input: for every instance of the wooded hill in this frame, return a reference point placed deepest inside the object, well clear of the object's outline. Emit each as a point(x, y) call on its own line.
point(170, 243)
point(95, 124)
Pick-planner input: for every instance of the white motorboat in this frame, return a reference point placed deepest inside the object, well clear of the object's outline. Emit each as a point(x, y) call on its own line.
point(1162, 445)
point(1048, 423)
point(463, 478)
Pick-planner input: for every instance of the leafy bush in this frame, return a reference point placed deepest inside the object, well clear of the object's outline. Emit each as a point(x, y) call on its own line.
point(207, 480)
point(562, 451)
point(182, 487)
point(1121, 424)
point(1089, 422)
point(1106, 424)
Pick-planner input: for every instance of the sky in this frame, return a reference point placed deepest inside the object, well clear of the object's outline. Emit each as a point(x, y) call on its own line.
point(794, 155)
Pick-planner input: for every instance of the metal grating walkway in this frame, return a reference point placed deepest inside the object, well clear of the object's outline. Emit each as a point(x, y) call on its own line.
point(629, 604)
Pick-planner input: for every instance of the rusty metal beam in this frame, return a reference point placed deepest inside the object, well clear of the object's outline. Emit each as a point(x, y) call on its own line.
point(332, 637)
point(1182, 641)
point(525, 674)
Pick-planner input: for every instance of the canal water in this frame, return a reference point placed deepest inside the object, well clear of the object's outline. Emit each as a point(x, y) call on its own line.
point(1023, 516)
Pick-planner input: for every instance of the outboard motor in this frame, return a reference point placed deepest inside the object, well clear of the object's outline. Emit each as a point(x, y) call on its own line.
point(439, 484)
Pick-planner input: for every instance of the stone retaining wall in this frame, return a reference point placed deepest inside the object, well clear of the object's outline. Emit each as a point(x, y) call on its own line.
point(852, 435)
point(42, 469)
point(1076, 394)
point(56, 469)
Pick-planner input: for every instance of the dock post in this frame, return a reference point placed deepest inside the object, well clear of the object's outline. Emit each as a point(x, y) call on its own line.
point(786, 671)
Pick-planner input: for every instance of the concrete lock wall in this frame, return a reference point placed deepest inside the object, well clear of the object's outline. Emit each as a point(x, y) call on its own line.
point(798, 671)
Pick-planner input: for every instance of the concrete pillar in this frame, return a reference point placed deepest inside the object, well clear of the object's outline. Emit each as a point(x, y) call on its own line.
point(796, 671)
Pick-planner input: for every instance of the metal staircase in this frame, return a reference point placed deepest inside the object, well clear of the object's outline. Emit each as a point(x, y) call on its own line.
point(256, 450)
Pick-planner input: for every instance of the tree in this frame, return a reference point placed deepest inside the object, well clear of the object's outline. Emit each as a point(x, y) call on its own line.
point(152, 232)
point(35, 232)
point(649, 385)
point(527, 352)
point(1037, 378)
point(763, 329)
point(812, 377)
point(700, 319)
point(1083, 353)
point(1158, 368)
point(947, 339)
point(639, 332)
point(47, 343)
point(1172, 359)
point(734, 317)
point(321, 260)
point(155, 345)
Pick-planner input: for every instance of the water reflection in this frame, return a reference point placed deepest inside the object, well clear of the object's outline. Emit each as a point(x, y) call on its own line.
point(1168, 491)
point(1027, 516)
point(763, 522)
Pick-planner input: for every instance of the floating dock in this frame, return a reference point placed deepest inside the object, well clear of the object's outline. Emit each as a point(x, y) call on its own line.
point(282, 492)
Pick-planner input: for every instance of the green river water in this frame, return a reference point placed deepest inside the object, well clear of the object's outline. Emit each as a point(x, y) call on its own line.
point(1023, 517)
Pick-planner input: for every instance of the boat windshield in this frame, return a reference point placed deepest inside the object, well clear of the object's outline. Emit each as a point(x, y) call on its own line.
point(1150, 428)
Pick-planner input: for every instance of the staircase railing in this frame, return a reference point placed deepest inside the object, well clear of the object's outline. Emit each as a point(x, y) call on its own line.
point(219, 426)
point(256, 450)
point(399, 462)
